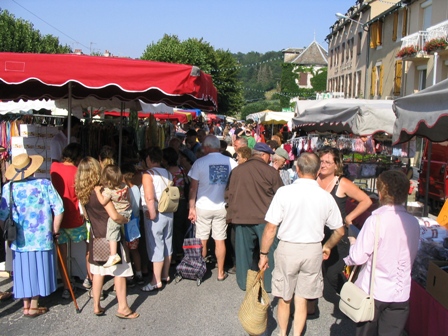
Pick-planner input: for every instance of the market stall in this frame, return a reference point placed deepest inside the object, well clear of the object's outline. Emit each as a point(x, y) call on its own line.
point(360, 128)
point(425, 114)
point(67, 76)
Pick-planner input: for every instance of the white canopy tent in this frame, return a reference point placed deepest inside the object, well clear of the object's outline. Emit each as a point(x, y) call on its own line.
point(355, 116)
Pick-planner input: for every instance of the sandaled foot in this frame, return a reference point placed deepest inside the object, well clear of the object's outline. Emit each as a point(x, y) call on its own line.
point(150, 288)
point(34, 312)
point(129, 316)
point(226, 275)
point(166, 280)
point(100, 312)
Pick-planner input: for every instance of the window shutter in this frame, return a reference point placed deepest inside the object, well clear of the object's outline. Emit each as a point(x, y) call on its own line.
point(372, 35)
point(397, 80)
point(380, 77)
point(394, 31)
point(379, 34)
point(405, 23)
point(303, 78)
point(372, 82)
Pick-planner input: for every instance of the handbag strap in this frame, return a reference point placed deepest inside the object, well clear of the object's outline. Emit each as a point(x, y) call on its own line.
point(375, 250)
point(166, 185)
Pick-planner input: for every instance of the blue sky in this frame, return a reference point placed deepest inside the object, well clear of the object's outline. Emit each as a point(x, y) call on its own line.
point(126, 28)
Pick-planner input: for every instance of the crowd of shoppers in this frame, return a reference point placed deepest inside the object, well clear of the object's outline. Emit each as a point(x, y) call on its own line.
point(294, 226)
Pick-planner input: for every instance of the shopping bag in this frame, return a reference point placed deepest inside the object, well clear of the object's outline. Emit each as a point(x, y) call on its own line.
point(253, 314)
point(132, 229)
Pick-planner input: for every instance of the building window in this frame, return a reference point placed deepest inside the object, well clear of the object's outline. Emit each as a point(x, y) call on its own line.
point(427, 14)
point(358, 92)
point(421, 79)
point(343, 52)
point(358, 46)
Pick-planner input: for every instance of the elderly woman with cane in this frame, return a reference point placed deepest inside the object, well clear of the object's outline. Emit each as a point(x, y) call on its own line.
point(32, 203)
point(87, 178)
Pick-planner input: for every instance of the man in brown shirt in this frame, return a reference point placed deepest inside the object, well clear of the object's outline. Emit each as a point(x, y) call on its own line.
point(249, 192)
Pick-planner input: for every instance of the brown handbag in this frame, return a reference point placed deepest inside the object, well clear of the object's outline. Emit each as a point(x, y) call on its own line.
point(100, 246)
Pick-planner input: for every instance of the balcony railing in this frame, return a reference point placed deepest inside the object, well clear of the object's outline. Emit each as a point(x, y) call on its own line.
point(439, 30)
point(417, 40)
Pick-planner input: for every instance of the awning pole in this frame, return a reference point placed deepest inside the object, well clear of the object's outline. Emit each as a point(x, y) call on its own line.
point(120, 134)
point(428, 167)
point(69, 114)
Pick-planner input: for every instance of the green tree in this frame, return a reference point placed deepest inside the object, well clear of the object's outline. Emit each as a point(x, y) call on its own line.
point(319, 80)
point(221, 64)
point(18, 35)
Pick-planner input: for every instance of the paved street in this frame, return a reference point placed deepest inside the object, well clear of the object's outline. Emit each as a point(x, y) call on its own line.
point(179, 309)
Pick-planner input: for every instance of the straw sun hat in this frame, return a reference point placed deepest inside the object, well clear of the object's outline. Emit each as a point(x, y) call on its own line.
point(22, 166)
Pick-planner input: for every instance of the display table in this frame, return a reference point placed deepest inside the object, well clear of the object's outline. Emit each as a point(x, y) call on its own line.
point(426, 315)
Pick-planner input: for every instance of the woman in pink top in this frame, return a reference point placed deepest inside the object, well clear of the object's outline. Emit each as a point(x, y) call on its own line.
point(399, 234)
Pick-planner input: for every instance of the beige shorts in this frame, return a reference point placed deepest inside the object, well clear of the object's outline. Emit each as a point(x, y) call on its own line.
point(298, 269)
point(211, 220)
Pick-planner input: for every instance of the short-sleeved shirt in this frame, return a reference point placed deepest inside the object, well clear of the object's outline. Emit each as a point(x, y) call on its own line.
point(301, 210)
point(63, 179)
point(212, 173)
point(35, 202)
point(119, 197)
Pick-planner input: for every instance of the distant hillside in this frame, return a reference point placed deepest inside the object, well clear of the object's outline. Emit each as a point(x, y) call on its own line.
point(259, 73)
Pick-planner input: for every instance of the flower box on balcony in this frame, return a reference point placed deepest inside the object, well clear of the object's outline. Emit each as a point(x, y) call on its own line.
point(406, 52)
point(436, 44)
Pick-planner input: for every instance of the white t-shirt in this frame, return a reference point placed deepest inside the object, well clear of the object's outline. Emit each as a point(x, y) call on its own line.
point(302, 209)
point(57, 145)
point(212, 172)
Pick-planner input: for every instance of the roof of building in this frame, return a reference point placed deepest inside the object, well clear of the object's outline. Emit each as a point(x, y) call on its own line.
point(314, 54)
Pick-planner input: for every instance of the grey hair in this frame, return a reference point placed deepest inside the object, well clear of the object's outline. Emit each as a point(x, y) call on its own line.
point(276, 157)
point(211, 141)
point(256, 153)
point(242, 141)
point(308, 164)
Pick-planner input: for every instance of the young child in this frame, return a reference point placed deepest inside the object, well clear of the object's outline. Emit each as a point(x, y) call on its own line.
point(116, 191)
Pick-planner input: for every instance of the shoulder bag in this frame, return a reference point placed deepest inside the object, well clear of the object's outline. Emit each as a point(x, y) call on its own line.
point(100, 246)
point(9, 226)
point(354, 302)
point(169, 199)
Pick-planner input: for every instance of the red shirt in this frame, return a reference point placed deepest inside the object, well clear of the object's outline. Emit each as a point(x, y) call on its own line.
point(63, 179)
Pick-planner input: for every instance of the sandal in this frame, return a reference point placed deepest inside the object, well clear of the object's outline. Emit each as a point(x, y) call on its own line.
point(130, 316)
point(100, 313)
point(166, 280)
point(225, 277)
point(38, 311)
point(150, 288)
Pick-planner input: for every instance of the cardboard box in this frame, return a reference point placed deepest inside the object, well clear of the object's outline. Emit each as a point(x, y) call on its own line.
point(436, 281)
point(415, 208)
point(32, 130)
point(40, 145)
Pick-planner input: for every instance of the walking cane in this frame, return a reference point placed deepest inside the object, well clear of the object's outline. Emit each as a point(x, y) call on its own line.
point(65, 275)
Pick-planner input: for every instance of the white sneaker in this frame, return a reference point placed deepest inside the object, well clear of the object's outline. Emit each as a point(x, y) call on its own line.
point(115, 259)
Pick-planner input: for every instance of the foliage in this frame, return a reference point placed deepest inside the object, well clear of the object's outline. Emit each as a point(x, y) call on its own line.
point(18, 35)
point(435, 44)
point(273, 105)
point(319, 80)
point(201, 54)
point(407, 51)
point(259, 73)
point(230, 94)
point(288, 85)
